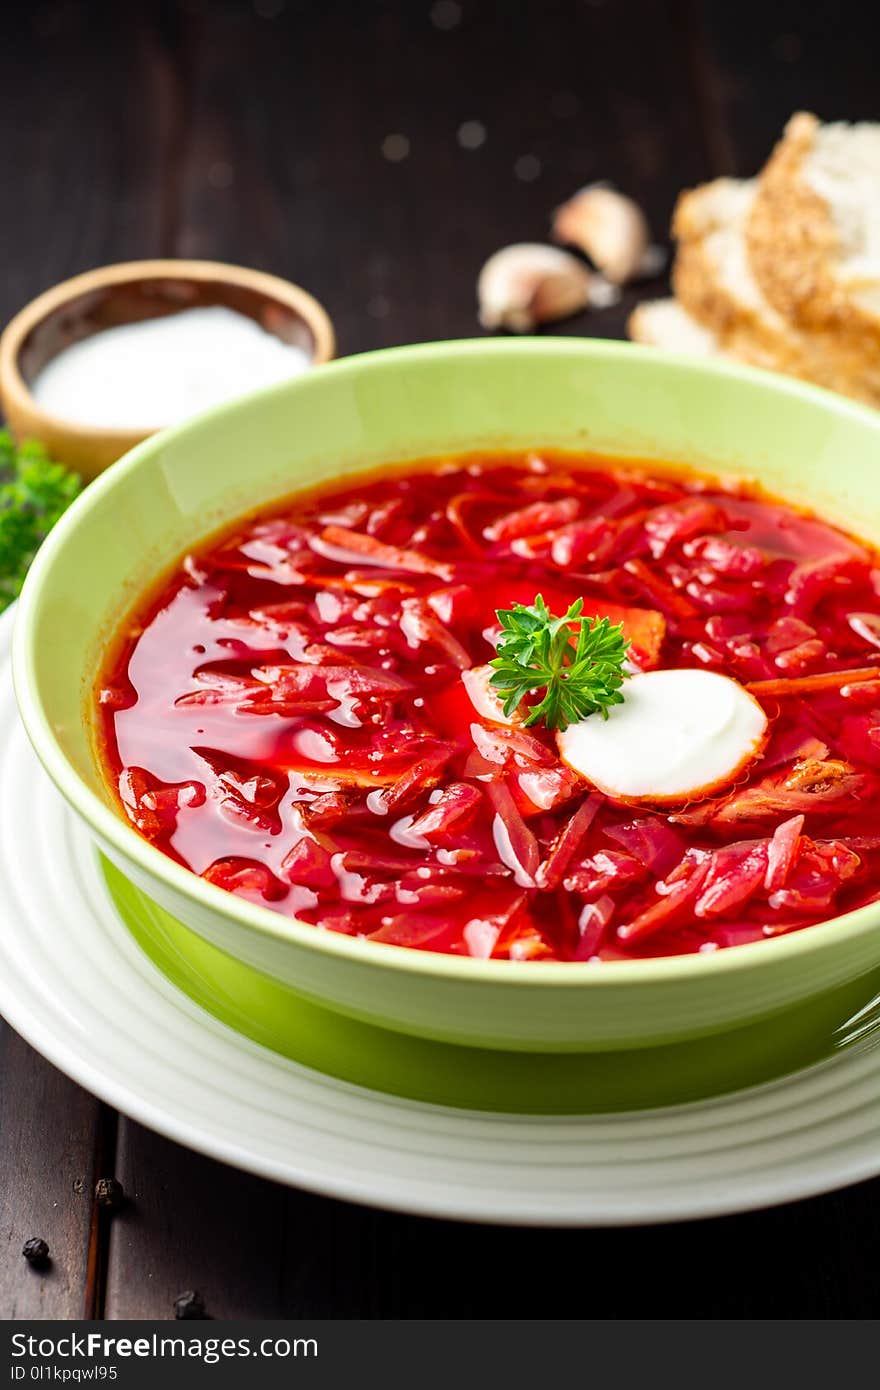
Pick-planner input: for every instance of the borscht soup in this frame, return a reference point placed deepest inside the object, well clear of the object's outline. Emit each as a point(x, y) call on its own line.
point(524, 707)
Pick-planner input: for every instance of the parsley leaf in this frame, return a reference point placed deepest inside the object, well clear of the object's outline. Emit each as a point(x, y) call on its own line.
point(577, 663)
point(34, 492)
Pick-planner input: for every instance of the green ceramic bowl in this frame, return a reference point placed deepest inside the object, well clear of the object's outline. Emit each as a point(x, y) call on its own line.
point(176, 488)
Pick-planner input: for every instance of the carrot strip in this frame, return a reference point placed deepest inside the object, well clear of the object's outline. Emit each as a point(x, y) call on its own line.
point(423, 774)
point(455, 515)
point(537, 517)
point(373, 551)
point(825, 680)
point(366, 587)
point(660, 591)
point(668, 908)
point(551, 873)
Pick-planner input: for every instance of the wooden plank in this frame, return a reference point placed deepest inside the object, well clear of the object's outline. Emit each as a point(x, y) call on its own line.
point(770, 61)
point(254, 1250)
point(287, 172)
point(816, 1258)
point(90, 110)
point(49, 1132)
point(88, 107)
point(191, 1224)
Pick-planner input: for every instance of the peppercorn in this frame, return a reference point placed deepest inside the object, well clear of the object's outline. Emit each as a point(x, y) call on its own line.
point(36, 1252)
point(109, 1193)
point(189, 1305)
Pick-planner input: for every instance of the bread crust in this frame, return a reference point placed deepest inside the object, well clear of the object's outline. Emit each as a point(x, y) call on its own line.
point(793, 247)
point(763, 339)
point(644, 326)
point(756, 270)
point(639, 324)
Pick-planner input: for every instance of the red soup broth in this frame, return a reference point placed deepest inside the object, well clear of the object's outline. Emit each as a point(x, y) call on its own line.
point(286, 714)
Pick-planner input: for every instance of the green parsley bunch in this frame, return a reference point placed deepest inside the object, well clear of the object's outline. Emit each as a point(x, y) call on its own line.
point(575, 661)
point(34, 492)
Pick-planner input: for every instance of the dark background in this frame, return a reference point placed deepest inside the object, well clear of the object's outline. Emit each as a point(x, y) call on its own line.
point(254, 133)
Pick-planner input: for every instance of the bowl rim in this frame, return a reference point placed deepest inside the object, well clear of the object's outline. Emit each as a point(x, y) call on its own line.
point(17, 395)
point(110, 826)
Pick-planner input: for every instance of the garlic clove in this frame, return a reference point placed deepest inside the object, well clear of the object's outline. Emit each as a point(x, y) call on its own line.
point(603, 294)
point(610, 228)
point(527, 284)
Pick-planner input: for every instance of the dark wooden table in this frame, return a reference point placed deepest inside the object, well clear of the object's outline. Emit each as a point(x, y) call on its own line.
point(254, 133)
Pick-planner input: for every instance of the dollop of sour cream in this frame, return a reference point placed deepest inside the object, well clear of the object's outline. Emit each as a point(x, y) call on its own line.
point(677, 735)
point(156, 372)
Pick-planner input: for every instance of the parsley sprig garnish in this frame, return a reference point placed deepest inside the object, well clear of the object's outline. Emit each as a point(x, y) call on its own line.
point(577, 662)
point(34, 492)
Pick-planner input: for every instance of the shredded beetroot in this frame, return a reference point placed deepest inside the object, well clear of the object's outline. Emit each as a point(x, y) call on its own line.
point(582, 542)
point(592, 922)
point(725, 558)
point(510, 747)
point(820, 872)
point(451, 812)
point(567, 843)
point(810, 581)
point(866, 626)
point(782, 852)
point(245, 876)
point(423, 773)
point(652, 841)
point(734, 874)
point(423, 932)
point(862, 693)
point(331, 809)
point(529, 521)
point(153, 806)
point(304, 713)
point(677, 522)
point(818, 787)
point(788, 746)
point(310, 864)
point(605, 869)
point(659, 590)
point(546, 788)
point(517, 846)
point(671, 905)
point(420, 627)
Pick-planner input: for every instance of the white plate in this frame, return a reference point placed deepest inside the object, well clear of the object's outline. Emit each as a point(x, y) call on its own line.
point(75, 984)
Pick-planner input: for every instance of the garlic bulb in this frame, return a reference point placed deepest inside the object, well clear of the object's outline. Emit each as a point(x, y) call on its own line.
point(611, 229)
point(527, 284)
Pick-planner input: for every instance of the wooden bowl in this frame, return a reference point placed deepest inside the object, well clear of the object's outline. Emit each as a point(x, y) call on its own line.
point(126, 293)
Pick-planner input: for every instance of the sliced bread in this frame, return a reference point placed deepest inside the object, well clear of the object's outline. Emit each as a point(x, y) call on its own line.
point(714, 282)
point(814, 229)
point(711, 275)
point(665, 324)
